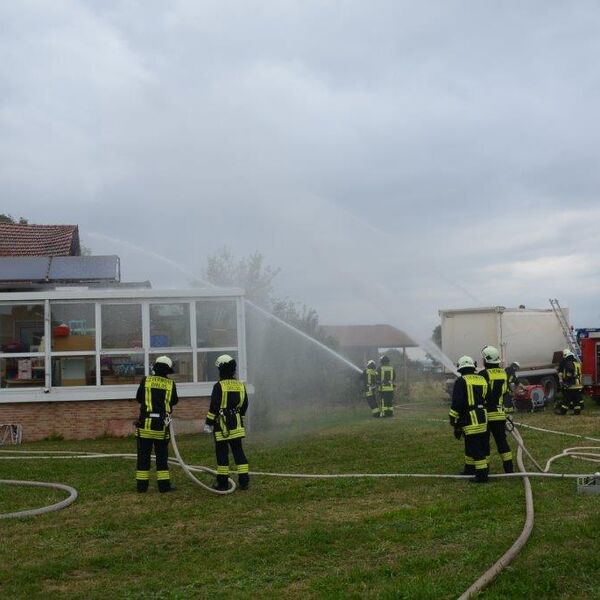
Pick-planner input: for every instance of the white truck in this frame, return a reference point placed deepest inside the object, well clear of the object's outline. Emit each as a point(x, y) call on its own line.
point(531, 337)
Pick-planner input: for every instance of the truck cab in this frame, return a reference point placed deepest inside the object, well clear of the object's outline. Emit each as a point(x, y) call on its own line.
point(589, 342)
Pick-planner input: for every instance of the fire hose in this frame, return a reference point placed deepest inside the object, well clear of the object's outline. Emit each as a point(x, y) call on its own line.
point(475, 588)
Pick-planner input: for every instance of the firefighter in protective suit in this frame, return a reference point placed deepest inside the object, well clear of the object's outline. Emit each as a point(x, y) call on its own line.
point(468, 417)
point(368, 379)
point(225, 418)
point(497, 380)
point(157, 395)
point(386, 376)
point(570, 374)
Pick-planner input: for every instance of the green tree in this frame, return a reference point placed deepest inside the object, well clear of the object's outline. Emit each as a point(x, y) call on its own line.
point(291, 375)
point(436, 338)
point(9, 219)
point(250, 273)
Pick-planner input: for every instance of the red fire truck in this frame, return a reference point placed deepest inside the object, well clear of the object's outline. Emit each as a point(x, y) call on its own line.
point(589, 342)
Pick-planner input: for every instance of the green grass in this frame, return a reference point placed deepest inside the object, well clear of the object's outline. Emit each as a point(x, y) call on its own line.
point(346, 538)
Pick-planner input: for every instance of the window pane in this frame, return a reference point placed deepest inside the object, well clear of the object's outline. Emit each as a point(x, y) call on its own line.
point(207, 371)
point(21, 327)
point(182, 365)
point(216, 323)
point(74, 370)
point(73, 327)
point(123, 369)
point(169, 325)
point(17, 373)
point(121, 326)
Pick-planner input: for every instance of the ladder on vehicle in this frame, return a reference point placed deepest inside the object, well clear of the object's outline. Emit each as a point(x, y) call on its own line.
point(567, 331)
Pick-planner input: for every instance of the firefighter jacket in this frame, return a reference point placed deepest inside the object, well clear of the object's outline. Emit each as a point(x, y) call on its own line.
point(156, 396)
point(468, 404)
point(387, 378)
point(570, 372)
point(497, 381)
point(228, 405)
point(369, 381)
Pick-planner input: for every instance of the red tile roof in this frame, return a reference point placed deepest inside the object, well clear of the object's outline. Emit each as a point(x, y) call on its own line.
point(39, 240)
point(369, 336)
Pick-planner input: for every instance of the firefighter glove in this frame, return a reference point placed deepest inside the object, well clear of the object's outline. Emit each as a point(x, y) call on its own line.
point(208, 428)
point(458, 432)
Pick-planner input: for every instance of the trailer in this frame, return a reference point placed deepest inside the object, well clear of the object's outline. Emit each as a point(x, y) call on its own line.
point(532, 337)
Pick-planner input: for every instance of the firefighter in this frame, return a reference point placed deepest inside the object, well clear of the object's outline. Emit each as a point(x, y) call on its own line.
point(225, 418)
point(513, 383)
point(368, 379)
point(468, 417)
point(570, 374)
point(157, 395)
point(497, 380)
point(386, 377)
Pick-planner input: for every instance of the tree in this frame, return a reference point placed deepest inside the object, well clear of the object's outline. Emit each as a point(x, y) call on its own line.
point(436, 338)
point(289, 372)
point(9, 219)
point(250, 273)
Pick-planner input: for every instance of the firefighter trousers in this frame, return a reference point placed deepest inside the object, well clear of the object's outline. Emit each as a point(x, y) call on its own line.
point(572, 399)
point(498, 430)
point(222, 451)
point(373, 405)
point(387, 403)
point(144, 455)
point(476, 455)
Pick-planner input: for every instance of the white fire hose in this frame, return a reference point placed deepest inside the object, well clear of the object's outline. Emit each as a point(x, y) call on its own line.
point(582, 453)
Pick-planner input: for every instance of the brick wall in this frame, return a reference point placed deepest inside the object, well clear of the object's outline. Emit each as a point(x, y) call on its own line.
point(92, 419)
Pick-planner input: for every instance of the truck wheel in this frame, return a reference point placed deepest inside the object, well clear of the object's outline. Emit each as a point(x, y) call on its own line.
point(550, 387)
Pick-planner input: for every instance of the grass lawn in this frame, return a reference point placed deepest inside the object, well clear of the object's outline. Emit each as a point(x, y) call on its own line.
point(347, 538)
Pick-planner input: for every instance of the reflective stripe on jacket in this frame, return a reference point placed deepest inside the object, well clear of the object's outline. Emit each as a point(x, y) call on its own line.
point(228, 406)
point(498, 385)
point(468, 404)
point(387, 376)
point(571, 375)
point(370, 382)
point(158, 392)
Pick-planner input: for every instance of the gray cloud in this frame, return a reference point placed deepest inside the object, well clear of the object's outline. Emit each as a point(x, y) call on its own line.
point(393, 158)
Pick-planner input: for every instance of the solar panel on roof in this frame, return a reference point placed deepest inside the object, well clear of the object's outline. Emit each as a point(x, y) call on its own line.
point(59, 268)
point(75, 268)
point(24, 268)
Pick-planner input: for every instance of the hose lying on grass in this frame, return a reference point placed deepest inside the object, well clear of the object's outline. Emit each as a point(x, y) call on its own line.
point(485, 579)
point(45, 509)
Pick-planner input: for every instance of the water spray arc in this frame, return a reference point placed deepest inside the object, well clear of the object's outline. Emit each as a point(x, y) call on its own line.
point(302, 334)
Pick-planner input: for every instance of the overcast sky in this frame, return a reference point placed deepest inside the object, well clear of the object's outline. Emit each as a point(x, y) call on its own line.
point(392, 158)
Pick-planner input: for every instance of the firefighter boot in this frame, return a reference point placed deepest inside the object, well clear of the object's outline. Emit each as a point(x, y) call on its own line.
point(468, 470)
point(165, 486)
point(508, 466)
point(222, 483)
point(142, 485)
point(243, 481)
point(481, 476)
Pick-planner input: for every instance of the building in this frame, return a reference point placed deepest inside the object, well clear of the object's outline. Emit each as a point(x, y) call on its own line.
point(360, 343)
point(18, 239)
point(75, 341)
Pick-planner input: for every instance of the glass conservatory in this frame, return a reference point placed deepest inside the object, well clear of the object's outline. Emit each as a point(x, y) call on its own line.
point(86, 344)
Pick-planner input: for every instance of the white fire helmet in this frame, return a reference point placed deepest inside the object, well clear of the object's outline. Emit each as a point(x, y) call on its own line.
point(223, 360)
point(164, 360)
point(491, 355)
point(567, 352)
point(371, 363)
point(465, 362)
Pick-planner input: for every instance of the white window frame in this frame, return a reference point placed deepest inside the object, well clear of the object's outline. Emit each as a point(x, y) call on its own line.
point(145, 297)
